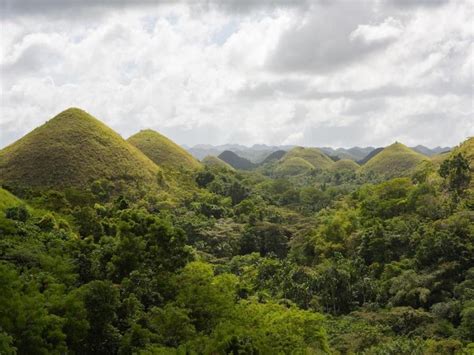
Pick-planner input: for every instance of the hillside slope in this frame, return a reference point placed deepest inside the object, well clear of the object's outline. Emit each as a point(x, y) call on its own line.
point(215, 163)
point(163, 151)
point(314, 156)
point(345, 165)
point(74, 149)
point(235, 161)
point(396, 160)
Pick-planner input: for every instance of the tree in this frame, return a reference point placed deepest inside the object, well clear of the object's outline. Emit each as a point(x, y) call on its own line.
point(457, 172)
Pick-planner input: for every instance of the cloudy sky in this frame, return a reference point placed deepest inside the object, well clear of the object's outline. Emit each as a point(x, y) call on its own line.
point(316, 73)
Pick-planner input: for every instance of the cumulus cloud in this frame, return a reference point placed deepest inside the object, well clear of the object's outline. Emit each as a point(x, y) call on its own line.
point(336, 73)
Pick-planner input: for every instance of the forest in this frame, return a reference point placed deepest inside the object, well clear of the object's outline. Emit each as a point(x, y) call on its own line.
point(113, 246)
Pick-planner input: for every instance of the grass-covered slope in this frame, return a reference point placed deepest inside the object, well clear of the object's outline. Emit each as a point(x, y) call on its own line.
point(277, 155)
point(8, 200)
point(72, 150)
point(214, 162)
point(292, 167)
point(345, 165)
point(163, 151)
point(236, 161)
point(396, 160)
point(314, 156)
point(369, 156)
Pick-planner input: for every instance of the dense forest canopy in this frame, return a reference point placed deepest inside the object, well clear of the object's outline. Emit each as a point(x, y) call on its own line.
point(105, 251)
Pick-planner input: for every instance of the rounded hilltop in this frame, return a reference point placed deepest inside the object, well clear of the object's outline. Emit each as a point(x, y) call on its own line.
point(396, 160)
point(163, 151)
point(73, 149)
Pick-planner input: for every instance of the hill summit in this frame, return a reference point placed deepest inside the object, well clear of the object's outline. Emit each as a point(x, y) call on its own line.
point(163, 151)
point(396, 160)
point(74, 149)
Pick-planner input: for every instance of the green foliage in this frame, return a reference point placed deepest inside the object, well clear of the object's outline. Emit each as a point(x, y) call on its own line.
point(457, 173)
point(224, 261)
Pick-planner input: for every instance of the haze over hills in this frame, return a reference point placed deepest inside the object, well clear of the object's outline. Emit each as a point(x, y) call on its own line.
point(163, 151)
point(259, 152)
point(73, 149)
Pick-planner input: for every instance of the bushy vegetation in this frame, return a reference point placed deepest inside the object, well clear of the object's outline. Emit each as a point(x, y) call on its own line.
point(331, 262)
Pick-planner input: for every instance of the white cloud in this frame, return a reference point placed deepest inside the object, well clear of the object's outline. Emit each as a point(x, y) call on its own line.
point(389, 29)
point(338, 73)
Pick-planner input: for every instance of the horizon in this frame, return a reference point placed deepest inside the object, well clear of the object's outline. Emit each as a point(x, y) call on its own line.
point(275, 73)
point(251, 146)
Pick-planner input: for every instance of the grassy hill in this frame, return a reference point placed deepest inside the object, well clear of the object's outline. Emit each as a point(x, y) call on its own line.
point(163, 151)
point(277, 155)
point(72, 150)
point(396, 160)
point(345, 164)
point(215, 163)
point(369, 156)
point(293, 166)
point(235, 161)
point(314, 156)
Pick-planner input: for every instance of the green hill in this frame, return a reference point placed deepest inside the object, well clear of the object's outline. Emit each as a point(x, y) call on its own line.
point(277, 155)
point(74, 149)
point(215, 163)
point(396, 160)
point(163, 151)
point(345, 165)
point(293, 166)
point(314, 156)
point(236, 161)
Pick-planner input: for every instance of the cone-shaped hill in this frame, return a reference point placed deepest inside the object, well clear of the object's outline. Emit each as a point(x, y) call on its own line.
point(396, 160)
point(214, 162)
point(74, 149)
point(300, 161)
point(236, 161)
point(314, 156)
point(345, 165)
point(163, 151)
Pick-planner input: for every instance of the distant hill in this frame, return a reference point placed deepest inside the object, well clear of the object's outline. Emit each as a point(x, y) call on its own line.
point(314, 156)
point(74, 149)
point(429, 152)
point(256, 153)
point(345, 165)
point(354, 153)
point(369, 156)
point(163, 151)
point(277, 155)
point(235, 161)
point(215, 163)
point(396, 160)
point(293, 166)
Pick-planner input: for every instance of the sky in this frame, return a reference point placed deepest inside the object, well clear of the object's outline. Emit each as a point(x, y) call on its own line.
point(303, 72)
